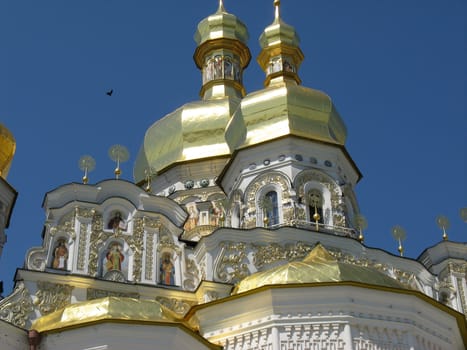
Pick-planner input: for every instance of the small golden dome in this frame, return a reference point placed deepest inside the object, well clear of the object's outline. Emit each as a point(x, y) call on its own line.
point(221, 25)
point(281, 55)
point(108, 308)
point(318, 267)
point(7, 150)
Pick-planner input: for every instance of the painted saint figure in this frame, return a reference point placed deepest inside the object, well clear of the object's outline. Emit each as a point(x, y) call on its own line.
point(167, 270)
point(114, 258)
point(193, 218)
point(116, 222)
point(60, 256)
point(216, 214)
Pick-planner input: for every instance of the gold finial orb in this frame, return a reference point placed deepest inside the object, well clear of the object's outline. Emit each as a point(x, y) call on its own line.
point(399, 235)
point(361, 224)
point(118, 154)
point(443, 224)
point(87, 164)
point(316, 217)
point(401, 249)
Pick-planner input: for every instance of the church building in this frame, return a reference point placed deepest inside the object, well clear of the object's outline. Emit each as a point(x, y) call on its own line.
point(240, 231)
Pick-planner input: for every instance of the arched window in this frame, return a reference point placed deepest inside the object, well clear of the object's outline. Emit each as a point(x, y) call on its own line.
point(314, 201)
point(270, 207)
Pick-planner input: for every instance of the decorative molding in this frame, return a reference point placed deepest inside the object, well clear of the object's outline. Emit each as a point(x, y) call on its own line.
point(336, 201)
point(273, 252)
point(179, 306)
point(192, 275)
point(100, 293)
point(231, 264)
point(17, 307)
point(83, 240)
point(52, 297)
point(259, 182)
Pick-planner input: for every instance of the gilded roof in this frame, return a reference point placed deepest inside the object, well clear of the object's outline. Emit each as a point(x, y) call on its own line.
point(108, 308)
point(221, 24)
point(278, 32)
point(7, 150)
point(283, 109)
point(194, 131)
point(318, 267)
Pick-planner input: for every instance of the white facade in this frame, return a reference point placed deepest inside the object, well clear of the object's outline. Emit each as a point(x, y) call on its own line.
point(280, 184)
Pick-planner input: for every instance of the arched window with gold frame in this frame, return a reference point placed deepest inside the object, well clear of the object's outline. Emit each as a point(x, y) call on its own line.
point(314, 202)
point(269, 205)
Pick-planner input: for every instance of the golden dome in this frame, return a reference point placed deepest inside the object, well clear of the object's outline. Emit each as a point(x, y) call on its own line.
point(285, 109)
point(318, 267)
point(7, 150)
point(108, 308)
point(219, 25)
point(196, 130)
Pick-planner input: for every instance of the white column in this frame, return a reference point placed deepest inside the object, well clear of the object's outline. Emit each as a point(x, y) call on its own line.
point(275, 337)
point(347, 337)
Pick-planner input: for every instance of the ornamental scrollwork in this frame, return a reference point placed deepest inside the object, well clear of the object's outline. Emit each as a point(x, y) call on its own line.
point(180, 307)
point(36, 259)
point(92, 294)
point(52, 297)
point(232, 266)
point(273, 252)
point(192, 275)
point(458, 268)
point(136, 244)
point(17, 307)
point(268, 254)
point(83, 239)
point(87, 213)
point(166, 241)
point(263, 180)
point(67, 224)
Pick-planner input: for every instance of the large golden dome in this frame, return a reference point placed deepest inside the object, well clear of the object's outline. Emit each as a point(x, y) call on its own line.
point(7, 150)
point(108, 308)
point(196, 130)
point(283, 107)
point(318, 267)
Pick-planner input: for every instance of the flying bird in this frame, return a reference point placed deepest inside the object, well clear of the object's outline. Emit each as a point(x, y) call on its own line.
point(109, 93)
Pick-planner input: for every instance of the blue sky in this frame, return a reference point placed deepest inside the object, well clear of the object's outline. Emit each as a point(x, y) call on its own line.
point(396, 70)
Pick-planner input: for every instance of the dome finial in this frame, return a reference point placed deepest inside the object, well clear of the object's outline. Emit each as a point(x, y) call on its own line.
point(221, 6)
point(277, 5)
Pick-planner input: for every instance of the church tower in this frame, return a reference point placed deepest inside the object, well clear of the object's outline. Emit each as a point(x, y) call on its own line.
point(241, 230)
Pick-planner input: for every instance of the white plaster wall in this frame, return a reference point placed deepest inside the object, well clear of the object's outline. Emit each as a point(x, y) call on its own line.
point(12, 338)
point(121, 336)
point(329, 317)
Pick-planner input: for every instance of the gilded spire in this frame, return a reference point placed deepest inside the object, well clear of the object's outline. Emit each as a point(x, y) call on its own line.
point(281, 55)
point(221, 6)
point(277, 5)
